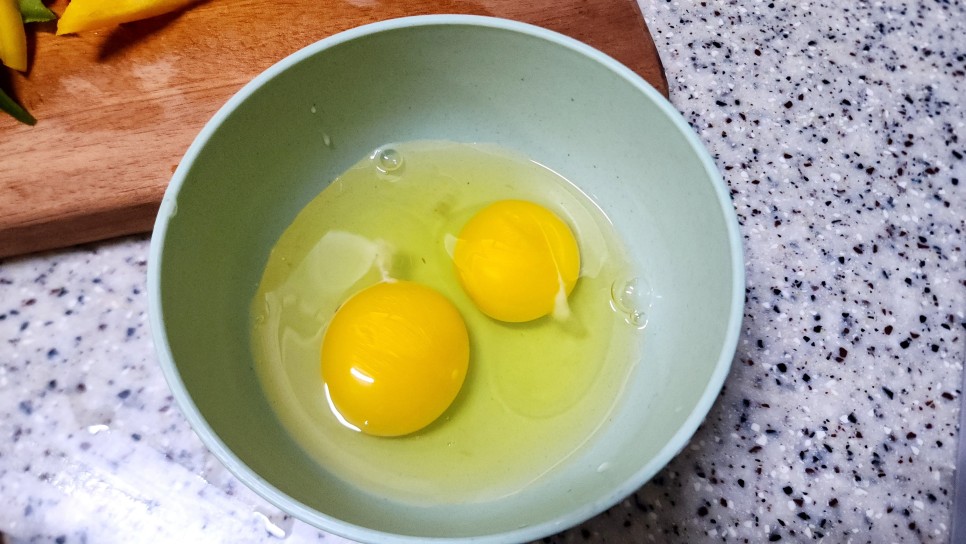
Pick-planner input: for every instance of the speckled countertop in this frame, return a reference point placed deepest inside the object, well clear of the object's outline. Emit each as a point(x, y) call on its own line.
point(840, 128)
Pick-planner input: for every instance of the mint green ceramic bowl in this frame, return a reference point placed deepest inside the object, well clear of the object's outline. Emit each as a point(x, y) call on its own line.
point(289, 132)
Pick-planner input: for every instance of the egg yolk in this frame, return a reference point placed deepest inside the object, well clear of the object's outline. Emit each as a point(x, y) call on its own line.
point(394, 358)
point(517, 260)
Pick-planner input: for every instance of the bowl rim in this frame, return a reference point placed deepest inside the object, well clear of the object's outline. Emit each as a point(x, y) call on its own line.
point(345, 529)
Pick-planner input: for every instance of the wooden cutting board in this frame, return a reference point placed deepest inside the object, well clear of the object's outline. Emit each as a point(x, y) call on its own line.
point(117, 109)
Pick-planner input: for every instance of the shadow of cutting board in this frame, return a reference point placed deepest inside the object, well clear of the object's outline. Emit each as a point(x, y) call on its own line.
point(117, 109)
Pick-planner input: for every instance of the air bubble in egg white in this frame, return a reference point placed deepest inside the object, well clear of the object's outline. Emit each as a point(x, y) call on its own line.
point(388, 161)
point(632, 298)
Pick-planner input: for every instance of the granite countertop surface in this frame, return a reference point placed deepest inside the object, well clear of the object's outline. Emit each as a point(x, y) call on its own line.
point(840, 128)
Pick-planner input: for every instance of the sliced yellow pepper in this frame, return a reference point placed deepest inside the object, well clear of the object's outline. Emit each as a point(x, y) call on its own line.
point(13, 40)
point(83, 15)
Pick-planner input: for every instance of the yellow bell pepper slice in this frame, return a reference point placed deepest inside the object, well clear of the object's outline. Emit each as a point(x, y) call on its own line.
point(13, 40)
point(83, 15)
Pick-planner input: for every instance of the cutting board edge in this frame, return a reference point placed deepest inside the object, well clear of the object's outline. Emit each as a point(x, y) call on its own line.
point(79, 229)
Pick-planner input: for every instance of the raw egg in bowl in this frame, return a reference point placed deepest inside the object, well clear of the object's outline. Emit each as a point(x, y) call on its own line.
point(474, 291)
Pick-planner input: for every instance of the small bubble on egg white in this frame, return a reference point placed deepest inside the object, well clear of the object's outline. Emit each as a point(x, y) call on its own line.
point(632, 298)
point(388, 161)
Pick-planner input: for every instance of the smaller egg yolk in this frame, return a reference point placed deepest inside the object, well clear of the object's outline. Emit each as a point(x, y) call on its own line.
point(517, 260)
point(394, 358)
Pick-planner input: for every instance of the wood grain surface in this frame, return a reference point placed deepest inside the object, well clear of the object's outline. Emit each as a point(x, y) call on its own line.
point(117, 109)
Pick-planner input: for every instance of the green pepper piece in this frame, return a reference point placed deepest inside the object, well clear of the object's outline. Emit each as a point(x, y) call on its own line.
point(34, 11)
point(8, 105)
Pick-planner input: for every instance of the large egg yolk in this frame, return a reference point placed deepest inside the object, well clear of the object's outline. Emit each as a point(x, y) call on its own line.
point(394, 358)
point(517, 260)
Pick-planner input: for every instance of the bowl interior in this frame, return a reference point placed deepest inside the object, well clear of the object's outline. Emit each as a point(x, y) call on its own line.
point(284, 137)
